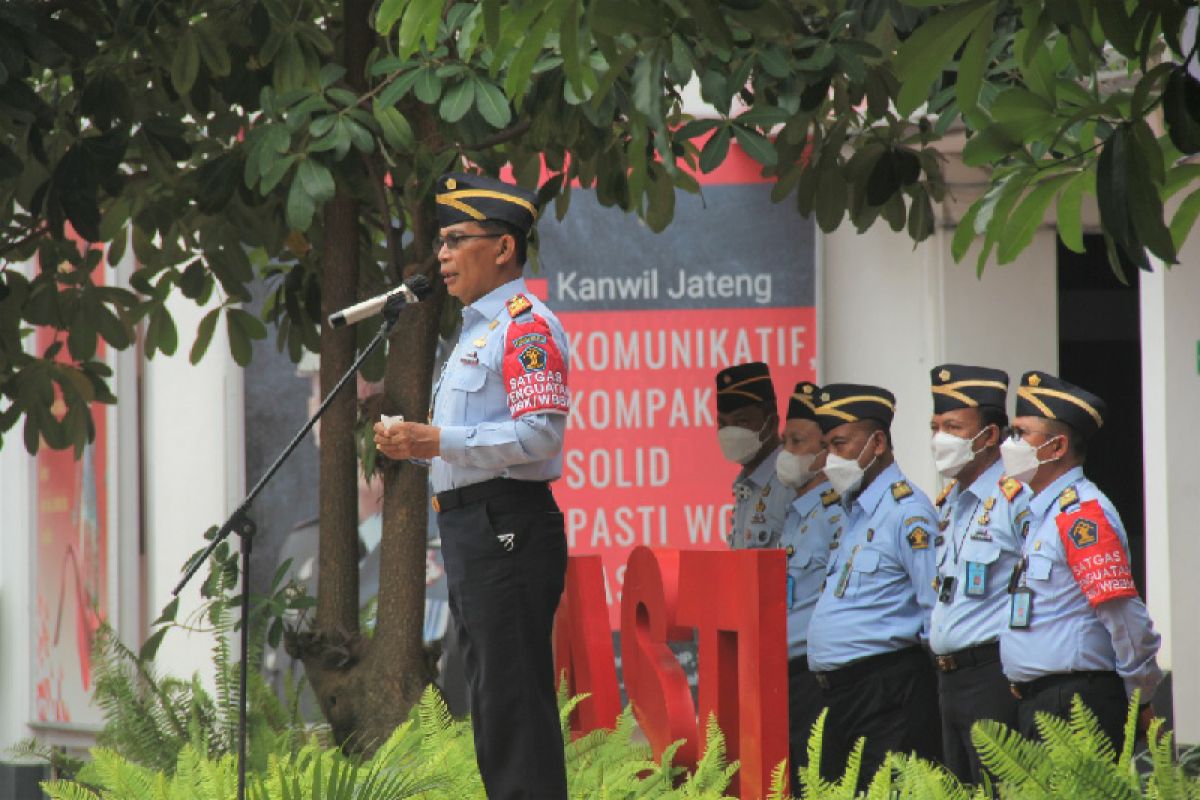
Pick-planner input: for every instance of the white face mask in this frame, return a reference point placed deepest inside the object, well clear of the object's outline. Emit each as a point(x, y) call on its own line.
point(951, 453)
point(845, 474)
point(1021, 460)
point(794, 470)
point(738, 444)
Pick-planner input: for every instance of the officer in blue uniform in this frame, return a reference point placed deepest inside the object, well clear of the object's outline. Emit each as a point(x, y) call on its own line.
point(748, 433)
point(812, 518)
point(867, 637)
point(495, 440)
point(1076, 623)
point(978, 544)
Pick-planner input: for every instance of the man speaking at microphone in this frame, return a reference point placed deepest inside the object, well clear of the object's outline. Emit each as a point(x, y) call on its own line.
point(495, 440)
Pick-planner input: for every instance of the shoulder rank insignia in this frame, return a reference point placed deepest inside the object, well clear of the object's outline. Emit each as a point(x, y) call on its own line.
point(901, 490)
point(518, 304)
point(1068, 498)
point(1010, 487)
point(918, 539)
point(941, 498)
point(829, 497)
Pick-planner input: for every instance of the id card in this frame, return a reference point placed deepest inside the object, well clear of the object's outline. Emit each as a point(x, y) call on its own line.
point(791, 590)
point(1021, 608)
point(946, 589)
point(976, 579)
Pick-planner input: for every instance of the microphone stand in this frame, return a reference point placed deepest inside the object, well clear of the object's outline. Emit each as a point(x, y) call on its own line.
point(240, 523)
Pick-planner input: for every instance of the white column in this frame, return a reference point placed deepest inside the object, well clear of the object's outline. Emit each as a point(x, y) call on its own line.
point(194, 465)
point(1170, 399)
point(16, 616)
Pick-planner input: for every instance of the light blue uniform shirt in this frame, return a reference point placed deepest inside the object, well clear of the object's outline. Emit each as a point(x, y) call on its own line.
point(760, 504)
point(480, 439)
point(811, 520)
point(882, 567)
point(981, 527)
point(1065, 633)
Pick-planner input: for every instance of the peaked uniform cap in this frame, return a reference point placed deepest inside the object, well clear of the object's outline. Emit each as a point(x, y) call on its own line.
point(839, 403)
point(957, 386)
point(803, 402)
point(462, 197)
point(1043, 395)
point(743, 385)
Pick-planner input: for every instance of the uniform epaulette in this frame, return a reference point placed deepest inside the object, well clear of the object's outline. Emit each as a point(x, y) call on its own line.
point(518, 304)
point(829, 497)
point(1010, 487)
point(941, 498)
point(901, 490)
point(1068, 498)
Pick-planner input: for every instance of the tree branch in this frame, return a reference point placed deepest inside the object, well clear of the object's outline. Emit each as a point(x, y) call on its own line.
point(499, 137)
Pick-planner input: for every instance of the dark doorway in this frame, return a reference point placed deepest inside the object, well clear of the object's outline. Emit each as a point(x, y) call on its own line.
point(1099, 349)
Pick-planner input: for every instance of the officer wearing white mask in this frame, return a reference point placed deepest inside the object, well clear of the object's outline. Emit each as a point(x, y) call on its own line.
point(1076, 625)
point(983, 515)
point(812, 519)
point(748, 432)
point(867, 637)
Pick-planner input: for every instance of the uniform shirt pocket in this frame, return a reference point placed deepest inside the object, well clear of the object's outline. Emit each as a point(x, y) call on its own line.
point(981, 552)
point(866, 561)
point(468, 379)
point(1039, 567)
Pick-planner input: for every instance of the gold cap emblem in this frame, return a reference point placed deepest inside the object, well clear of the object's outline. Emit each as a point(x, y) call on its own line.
point(944, 375)
point(824, 397)
point(451, 184)
point(1035, 380)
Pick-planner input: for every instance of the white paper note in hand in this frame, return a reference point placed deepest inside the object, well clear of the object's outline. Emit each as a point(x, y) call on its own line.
point(390, 421)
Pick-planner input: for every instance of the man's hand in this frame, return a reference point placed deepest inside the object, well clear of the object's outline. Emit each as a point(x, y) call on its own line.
point(401, 440)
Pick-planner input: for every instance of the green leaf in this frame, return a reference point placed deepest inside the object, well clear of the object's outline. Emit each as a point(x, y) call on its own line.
point(389, 12)
point(457, 101)
point(988, 146)
point(185, 63)
point(300, 207)
point(394, 127)
point(242, 327)
point(516, 82)
point(921, 58)
point(1027, 217)
point(973, 63)
point(1185, 218)
point(213, 51)
point(492, 103)
point(1070, 203)
point(428, 86)
point(715, 150)
point(204, 334)
point(830, 198)
point(161, 333)
point(756, 145)
point(150, 648)
point(920, 216)
point(317, 180)
point(660, 195)
point(964, 234)
point(1181, 111)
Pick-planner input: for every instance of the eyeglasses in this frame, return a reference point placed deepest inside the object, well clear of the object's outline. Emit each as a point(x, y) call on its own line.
point(454, 240)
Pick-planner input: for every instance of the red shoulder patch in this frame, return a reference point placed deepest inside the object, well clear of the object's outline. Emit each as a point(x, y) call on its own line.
point(518, 304)
point(1095, 554)
point(1011, 487)
point(535, 375)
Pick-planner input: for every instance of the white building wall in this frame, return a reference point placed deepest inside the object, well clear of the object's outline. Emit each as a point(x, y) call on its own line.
point(891, 312)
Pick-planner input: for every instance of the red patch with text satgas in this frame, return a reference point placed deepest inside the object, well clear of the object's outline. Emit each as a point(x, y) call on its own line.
point(1095, 554)
point(535, 377)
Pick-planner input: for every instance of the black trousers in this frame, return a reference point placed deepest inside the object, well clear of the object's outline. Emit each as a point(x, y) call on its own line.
point(968, 694)
point(506, 560)
point(805, 702)
point(1102, 692)
point(891, 699)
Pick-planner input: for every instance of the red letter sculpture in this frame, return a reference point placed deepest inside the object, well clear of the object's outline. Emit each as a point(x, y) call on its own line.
point(583, 647)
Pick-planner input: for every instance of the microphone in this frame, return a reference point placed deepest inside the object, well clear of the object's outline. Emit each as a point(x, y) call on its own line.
point(413, 290)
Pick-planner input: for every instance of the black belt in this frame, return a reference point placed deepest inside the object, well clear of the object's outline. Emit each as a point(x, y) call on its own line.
point(987, 653)
point(864, 667)
point(1026, 690)
point(485, 490)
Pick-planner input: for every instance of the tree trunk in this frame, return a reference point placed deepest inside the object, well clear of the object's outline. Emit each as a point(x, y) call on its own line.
point(366, 687)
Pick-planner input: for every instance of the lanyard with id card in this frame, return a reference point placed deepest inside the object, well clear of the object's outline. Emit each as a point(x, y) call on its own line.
point(1020, 609)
